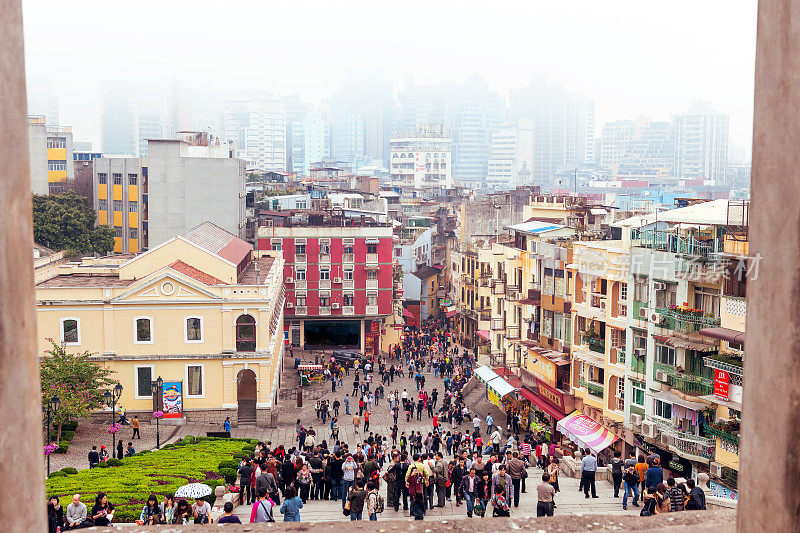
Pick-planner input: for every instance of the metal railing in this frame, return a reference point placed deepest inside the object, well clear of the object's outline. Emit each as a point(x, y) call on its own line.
point(686, 383)
point(678, 244)
point(724, 435)
point(594, 389)
point(512, 332)
point(497, 324)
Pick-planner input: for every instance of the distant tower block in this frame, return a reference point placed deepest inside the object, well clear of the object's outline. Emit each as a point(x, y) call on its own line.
point(524, 175)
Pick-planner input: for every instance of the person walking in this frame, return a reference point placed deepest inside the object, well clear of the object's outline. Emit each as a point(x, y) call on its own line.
point(516, 469)
point(655, 474)
point(367, 413)
point(616, 471)
point(545, 493)
point(356, 423)
point(469, 490)
point(631, 480)
point(135, 426)
point(94, 457)
point(291, 505)
point(356, 498)
point(246, 489)
point(588, 473)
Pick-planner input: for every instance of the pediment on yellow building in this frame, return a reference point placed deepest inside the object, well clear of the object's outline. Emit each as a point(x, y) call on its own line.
point(166, 285)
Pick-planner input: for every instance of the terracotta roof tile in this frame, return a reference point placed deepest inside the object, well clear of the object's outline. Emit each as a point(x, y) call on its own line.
point(196, 274)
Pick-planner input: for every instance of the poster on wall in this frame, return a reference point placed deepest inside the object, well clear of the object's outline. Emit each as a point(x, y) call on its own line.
point(492, 397)
point(173, 399)
point(721, 491)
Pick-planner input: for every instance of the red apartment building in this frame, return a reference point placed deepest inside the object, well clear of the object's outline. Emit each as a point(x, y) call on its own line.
point(338, 280)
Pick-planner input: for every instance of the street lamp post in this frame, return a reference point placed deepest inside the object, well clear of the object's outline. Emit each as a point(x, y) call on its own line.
point(50, 410)
point(156, 385)
point(111, 397)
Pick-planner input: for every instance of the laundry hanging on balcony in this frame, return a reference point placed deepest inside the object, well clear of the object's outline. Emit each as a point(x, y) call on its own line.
point(585, 432)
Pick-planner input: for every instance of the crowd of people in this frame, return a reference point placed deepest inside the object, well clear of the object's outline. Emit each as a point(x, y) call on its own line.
point(481, 466)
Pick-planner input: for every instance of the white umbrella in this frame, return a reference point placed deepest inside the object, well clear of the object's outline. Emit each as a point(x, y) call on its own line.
point(193, 490)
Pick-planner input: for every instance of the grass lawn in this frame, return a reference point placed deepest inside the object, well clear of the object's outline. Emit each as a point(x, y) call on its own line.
point(159, 472)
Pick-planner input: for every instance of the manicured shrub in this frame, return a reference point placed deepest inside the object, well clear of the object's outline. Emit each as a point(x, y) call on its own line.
point(69, 470)
point(229, 474)
point(159, 472)
point(104, 465)
point(67, 435)
point(58, 473)
point(228, 464)
point(114, 462)
point(254, 442)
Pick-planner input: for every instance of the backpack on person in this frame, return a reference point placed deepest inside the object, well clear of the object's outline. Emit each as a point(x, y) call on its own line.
point(415, 486)
point(649, 508)
point(379, 503)
point(267, 511)
point(631, 476)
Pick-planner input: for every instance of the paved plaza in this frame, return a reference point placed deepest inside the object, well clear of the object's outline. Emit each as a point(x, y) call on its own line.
point(568, 501)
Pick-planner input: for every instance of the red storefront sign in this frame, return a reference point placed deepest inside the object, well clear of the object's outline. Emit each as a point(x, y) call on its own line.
point(721, 383)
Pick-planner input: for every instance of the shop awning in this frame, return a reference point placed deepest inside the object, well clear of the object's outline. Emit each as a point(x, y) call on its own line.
point(484, 333)
point(725, 334)
point(500, 386)
point(541, 404)
point(584, 431)
point(452, 313)
point(485, 374)
point(679, 342)
point(408, 314)
point(668, 397)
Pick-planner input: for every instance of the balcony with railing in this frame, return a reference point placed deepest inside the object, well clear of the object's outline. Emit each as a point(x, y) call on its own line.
point(325, 284)
point(668, 241)
point(690, 269)
point(728, 363)
point(497, 324)
point(325, 258)
point(594, 389)
point(299, 258)
point(324, 311)
point(513, 293)
point(300, 284)
point(348, 258)
point(685, 321)
point(687, 444)
point(685, 382)
point(594, 343)
point(372, 259)
point(348, 310)
point(485, 314)
point(498, 287)
point(348, 284)
point(372, 310)
point(301, 310)
point(720, 430)
point(512, 332)
point(372, 284)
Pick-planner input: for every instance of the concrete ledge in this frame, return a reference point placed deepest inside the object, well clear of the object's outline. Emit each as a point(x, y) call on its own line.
point(694, 521)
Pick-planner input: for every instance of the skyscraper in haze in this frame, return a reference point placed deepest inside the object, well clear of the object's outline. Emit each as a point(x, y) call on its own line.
point(701, 136)
point(179, 106)
point(361, 116)
point(257, 125)
point(468, 110)
point(563, 127)
point(120, 135)
point(310, 141)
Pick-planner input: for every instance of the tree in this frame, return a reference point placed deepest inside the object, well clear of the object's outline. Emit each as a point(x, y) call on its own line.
point(67, 222)
point(77, 381)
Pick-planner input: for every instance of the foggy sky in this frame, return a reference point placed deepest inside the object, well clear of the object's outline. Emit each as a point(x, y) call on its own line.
point(631, 57)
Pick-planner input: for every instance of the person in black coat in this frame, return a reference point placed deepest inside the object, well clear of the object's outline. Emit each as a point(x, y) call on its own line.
point(120, 450)
point(94, 457)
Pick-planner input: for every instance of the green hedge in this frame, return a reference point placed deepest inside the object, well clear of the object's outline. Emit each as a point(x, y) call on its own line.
point(114, 462)
point(57, 473)
point(159, 472)
point(229, 474)
point(228, 464)
point(69, 470)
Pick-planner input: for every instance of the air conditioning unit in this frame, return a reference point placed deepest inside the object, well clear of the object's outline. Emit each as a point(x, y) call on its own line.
point(659, 286)
point(715, 469)
point(643, 313)
point(640, 353)
point(602, 305)
point(655, 318)
point(649, 429)
point(290, 280)
point(662, 376)
point(289, 305)
point(664, 439)
point(335, 306)
point(337, 280)
point(636, 419)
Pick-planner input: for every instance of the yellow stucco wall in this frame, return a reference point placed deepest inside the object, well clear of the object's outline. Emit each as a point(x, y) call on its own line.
point(190, 254)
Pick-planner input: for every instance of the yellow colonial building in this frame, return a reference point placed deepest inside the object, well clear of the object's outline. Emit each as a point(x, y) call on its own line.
point(199, 311)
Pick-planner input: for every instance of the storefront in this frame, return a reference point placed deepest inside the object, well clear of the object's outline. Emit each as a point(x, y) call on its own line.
point(673, 464)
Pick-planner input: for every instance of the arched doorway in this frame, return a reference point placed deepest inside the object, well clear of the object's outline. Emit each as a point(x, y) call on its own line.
point(245, 334)
point(246, 396)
